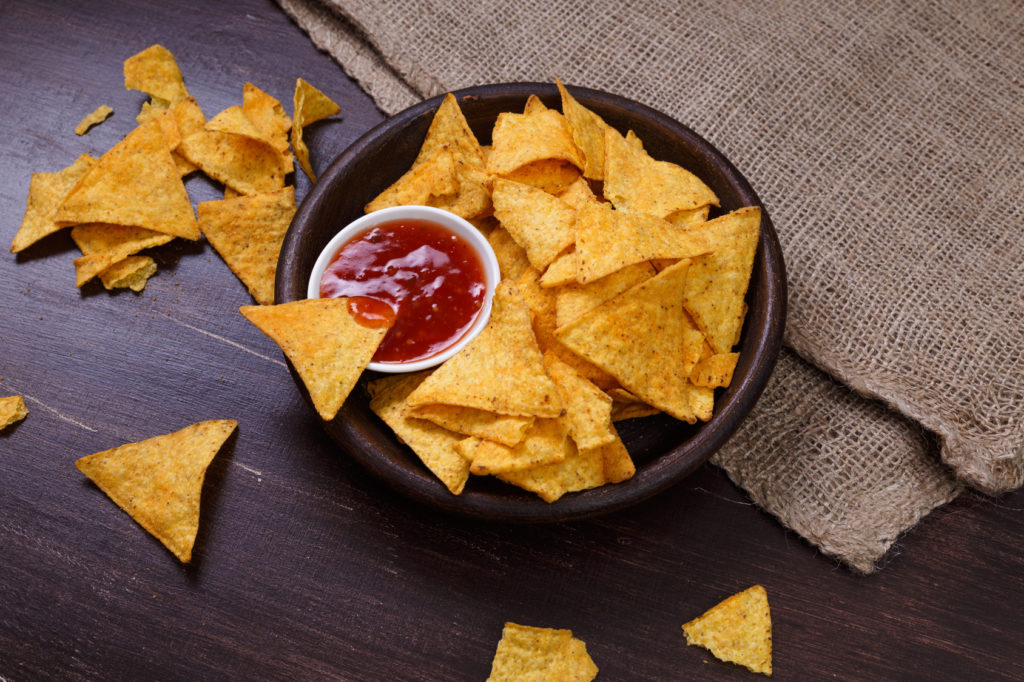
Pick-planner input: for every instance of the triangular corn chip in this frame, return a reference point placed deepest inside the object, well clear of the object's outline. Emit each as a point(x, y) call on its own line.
point(309, 106)
point(573, 301)
point(512, 260)
point(158, 481)
point(12, 409)
point(716, 284)
point(546, 442)
point(449, 131)
point(587, 131)
point(246, 164)
point(155, 72)
point(580, 470)
point(270, 119)
point(421, 185)
point(714, 371)
point(540, 223)
point(103, 246)
point(506, 429)
point(643, 338)
point(435, 446)
point(326, 345)
point(234, 120)
point(129, 273)
point(588, 410)
point(737, 630)
point(521, 139)
point(135, 183)
point(608, 240)
point(533, 105)
point(46, 192)
point(248, 232)
point(501, 370)
point(635, 182)
point(529, 654)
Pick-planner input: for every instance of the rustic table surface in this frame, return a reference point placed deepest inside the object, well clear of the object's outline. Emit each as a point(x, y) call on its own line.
point(307, 567)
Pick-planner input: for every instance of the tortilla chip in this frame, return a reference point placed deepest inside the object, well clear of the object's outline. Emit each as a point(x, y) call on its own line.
point(234, 120)
point(435, 446)
point(737, 630)
point(324, 343)
point(545, 442)
point(587, 132)
point(714, 371)
point(687, 219)
point(472, 197)
point(500, 428)
point(449, 131)
point(501, 370)
point(158, 481)
point(635, 182)
point(103, 246)
point(99, 115)
point(588, 410)
point(562, 270)
point(155, 72)
point(580, 470)
point(533, 105)
point(576, 300)
point(551, 175)
point(608, 240)
point(12, 409)
point(248, 232)
point(521, 139)
point(644, 339)
point(130, 273)
point(618, 465)
point(135, 183)
point(421, 185)
point(309, 106)
point(512, 260)
point(538, 654)
point(46, 192)
point(538, 221)
point(268, 116)
point(625, 405)
point(578, 193)
point(247, 164)
point(716, 284)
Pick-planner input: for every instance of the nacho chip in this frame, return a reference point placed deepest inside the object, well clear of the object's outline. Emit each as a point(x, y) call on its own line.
point(158, 481)
point(234, 120)
point(512, 260)
point(155, 72)
point(625, 405)
point(587, 132)
point(248, 232)
point(435, 446)
point(99, 115)
point(716, 284)
point(46, 192)
point(521, 139)
point(578, 193)
point(644, 339)
point(551, 175)
point(421, 185)
point(268, 116)
point(737, 630)
point(533, 105)
point(608, 240)
point(588, 410)
point(501, 370)
point(714, 371)
point(472, 197)
point(580, 470)
point(309, 106)
point(635, 182)
point(545, 442)
point(130, 273)
point(12, 409)
point(538, 221)
point(686, 219)
point(562, 270)
point(576, 300)
point(500, 428)
point(246, 164)
point(103, 246)
point(527, 653)
point(618, 465)
point(324, 343)
point(449, 131)
point(135, 183)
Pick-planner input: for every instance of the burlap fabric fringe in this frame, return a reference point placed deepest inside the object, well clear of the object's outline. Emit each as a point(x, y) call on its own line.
point(887, 142)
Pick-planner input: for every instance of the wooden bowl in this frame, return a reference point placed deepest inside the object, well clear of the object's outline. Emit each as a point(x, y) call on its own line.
point(665, 450)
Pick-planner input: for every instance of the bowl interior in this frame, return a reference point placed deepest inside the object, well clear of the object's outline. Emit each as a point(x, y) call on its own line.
point(665, 450)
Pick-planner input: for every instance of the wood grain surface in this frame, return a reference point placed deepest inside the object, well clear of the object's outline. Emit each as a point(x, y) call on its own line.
point(305, 567)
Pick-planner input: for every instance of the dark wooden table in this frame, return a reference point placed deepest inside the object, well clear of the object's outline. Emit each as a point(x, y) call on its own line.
point(306, 567)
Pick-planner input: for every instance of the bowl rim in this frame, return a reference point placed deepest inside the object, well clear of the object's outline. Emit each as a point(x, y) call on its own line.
point(445, 219)
point(657, 473)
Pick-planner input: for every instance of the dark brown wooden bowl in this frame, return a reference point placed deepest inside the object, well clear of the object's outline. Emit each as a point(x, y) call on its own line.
point(664, 449)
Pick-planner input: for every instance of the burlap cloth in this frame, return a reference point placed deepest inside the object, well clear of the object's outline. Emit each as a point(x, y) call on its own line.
point(887, 142)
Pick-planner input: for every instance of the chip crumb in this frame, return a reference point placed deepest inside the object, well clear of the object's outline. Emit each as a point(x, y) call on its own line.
point(12, 409)
point(737, 630)
point(99, 115)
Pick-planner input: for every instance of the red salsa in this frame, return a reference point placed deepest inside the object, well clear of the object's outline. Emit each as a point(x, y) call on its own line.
point(418, 273)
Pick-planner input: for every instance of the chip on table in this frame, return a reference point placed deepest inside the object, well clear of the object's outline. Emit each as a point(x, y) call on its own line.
point(737, 630)
point(12, 410)
point(540, 654)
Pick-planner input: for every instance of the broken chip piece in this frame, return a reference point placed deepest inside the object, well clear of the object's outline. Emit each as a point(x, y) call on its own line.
point(737, 630)
point(533, 653)
point(97, 116)
point(12, 409)
point(158, 481)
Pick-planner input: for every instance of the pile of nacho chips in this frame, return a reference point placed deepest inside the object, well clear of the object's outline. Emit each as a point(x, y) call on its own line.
point(133, 197)
point(619, 299)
